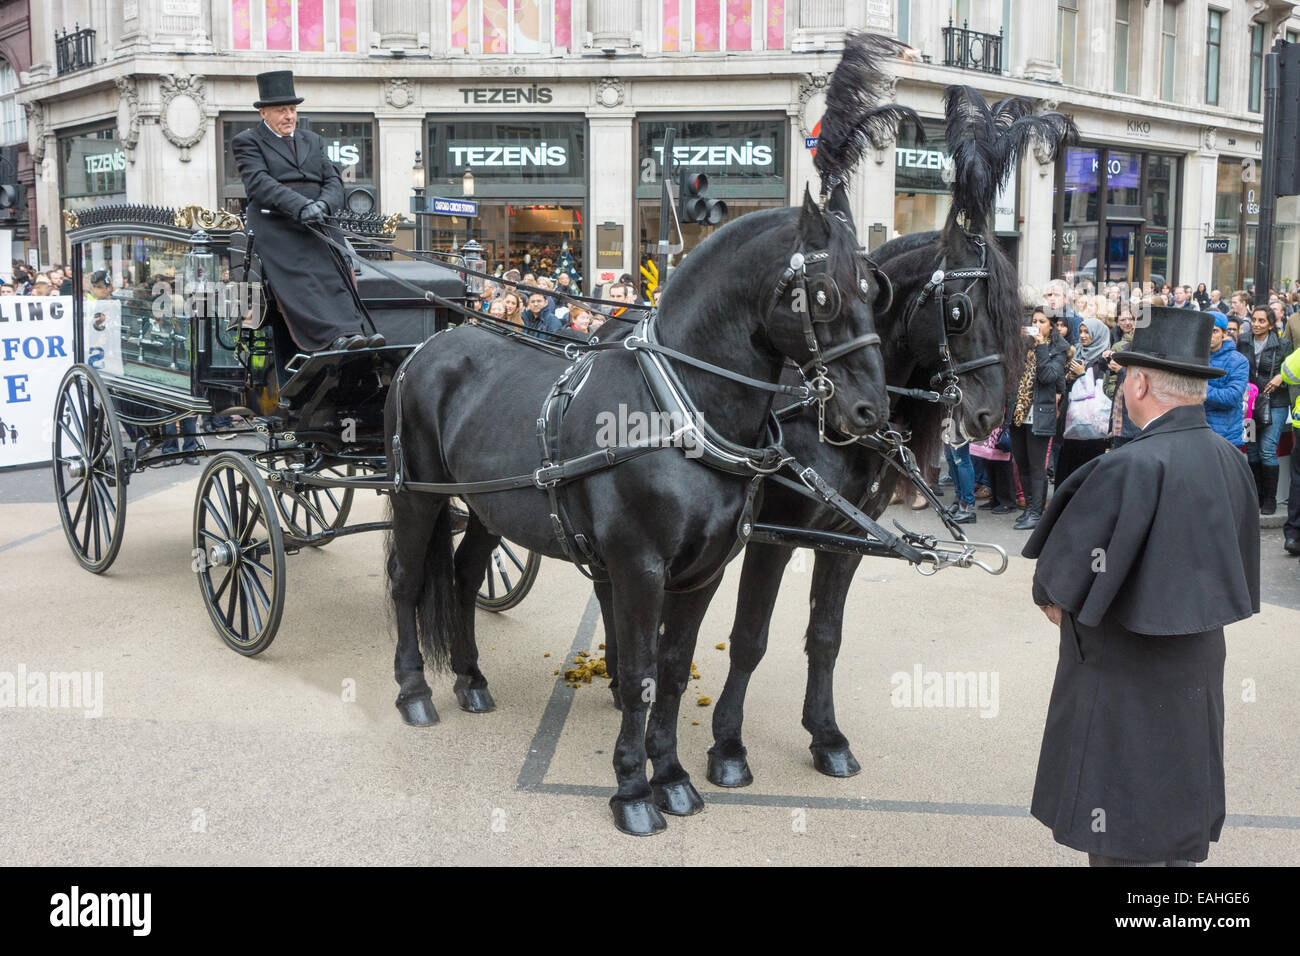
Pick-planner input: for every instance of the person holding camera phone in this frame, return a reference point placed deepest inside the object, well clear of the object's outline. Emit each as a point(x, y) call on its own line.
point(1033, 413)
point(1265, 350)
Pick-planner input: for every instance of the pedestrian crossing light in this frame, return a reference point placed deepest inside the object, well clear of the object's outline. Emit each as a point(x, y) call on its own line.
point(693, 202)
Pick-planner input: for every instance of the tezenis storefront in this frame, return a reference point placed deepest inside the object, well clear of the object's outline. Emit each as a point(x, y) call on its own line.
point(530, 184)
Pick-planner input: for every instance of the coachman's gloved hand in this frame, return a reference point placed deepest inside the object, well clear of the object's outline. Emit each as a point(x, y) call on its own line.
point(313, 212)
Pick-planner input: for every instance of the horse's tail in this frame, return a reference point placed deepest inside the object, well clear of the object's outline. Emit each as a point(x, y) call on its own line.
point(439, 620)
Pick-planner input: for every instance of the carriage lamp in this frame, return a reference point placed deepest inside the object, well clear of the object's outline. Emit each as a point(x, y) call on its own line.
point(200, 277)
point(473, 255)
point(467, 183)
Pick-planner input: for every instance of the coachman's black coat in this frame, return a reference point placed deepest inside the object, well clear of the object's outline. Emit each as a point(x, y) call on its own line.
point(1132, 758)
point(313, 289)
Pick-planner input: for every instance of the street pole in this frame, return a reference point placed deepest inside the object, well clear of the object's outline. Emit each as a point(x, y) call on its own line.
point(1268, 181)
point(665, 205)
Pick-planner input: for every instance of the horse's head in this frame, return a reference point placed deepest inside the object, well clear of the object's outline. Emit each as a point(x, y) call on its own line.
point(822, 317)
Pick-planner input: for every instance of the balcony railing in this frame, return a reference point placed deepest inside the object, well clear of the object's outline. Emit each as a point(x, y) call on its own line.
point(970, 49)
point(74, 51)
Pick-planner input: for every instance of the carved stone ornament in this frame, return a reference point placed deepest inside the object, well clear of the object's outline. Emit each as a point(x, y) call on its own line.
point(1043, 151)
point(35, 131)
point(181, 114)
point(70, 219)
point(128, 114)
point(1209, 138)
point(192, 217)
point(811, 85)
point(609, 91)
point(398, 93)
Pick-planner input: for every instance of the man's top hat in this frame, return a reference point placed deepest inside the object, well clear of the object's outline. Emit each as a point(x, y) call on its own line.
point(1176, 340)
point(275, 89)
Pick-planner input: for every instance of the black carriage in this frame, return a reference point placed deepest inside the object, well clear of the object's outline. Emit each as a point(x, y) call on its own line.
point(177, 341)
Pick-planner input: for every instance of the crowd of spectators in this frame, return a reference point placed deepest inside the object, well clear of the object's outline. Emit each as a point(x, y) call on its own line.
point(1073, 334)
point(24, 280)
point(540, 304)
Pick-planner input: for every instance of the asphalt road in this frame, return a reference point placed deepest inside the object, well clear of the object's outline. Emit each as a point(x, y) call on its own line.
point(204, 757)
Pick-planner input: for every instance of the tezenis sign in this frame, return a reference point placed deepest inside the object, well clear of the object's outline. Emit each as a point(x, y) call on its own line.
point(506, 94)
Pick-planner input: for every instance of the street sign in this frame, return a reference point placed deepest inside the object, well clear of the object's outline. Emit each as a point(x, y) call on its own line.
point(810, 142)
point(1217, 245)
point(453, 207)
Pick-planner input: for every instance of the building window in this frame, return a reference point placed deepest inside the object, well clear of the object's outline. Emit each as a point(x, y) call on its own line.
point(1121, 45)
point(303, 26)
point(1067, 27)
point(1256, 65)
point(722, 25)
point(13, 119)
point(1213, 36)
point(516, 27)
point(1168, 48)
point(904, 19)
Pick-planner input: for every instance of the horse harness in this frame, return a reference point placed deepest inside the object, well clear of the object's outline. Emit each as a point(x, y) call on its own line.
point(818, 300)
point(955, 314)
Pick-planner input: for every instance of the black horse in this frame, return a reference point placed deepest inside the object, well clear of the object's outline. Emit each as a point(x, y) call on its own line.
point(985, 144)
point(659, 524)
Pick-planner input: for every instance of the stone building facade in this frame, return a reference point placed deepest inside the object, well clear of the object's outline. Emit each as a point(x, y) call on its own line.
point(558, 108)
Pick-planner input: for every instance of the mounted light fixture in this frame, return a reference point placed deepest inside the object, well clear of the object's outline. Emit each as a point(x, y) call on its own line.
point(417, 172)
point(467, 183)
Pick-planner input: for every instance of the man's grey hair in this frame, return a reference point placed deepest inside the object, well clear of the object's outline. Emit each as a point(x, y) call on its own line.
point(1173, 388)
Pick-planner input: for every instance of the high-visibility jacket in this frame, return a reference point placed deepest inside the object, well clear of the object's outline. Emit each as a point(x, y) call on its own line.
point(1291, 375)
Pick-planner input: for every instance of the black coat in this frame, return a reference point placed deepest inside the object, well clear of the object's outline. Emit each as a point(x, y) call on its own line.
point(1131, 764)
point(1265, 365)
point(312, 285)
point(1049, 373)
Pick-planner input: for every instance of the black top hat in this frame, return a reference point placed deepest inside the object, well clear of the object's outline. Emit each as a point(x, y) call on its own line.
point(275, 89)
point(1177, 340)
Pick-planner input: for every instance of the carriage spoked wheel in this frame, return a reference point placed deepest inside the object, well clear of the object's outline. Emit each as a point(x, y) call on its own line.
point(511, 572)
point(239, 553)
point(309, 513)
point(89, 479)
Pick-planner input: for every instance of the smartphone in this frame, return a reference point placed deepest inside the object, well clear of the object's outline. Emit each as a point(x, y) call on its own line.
point(1030, 330)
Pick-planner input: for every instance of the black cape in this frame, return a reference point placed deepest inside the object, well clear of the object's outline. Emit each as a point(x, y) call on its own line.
point(1131, 764)
point(311, 283)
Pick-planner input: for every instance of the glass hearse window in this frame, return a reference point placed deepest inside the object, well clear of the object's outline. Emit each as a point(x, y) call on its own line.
point(135, 313)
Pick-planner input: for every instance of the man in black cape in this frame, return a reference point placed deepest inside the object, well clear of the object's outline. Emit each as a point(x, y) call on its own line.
point(291, 185)
point(1143, 556)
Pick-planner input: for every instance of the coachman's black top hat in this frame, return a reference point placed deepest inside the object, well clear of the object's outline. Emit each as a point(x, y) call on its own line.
point(1177, 340)
point(275, 89)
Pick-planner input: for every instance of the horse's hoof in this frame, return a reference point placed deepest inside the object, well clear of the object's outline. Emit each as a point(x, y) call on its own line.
point(835, 762)
point(475, 700)
point(418, 711)
point(637, 817)
point(618, 698)
point(729, 771)
point(680, 799)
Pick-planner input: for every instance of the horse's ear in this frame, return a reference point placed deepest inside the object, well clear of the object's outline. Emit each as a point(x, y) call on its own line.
point(814, 230)
point(839, 203)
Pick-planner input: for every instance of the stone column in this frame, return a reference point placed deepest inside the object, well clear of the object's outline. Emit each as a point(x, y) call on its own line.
point(610, 138)
point(1200, 184)
point(1038, 173)
point(612, 24)
point(401, 23)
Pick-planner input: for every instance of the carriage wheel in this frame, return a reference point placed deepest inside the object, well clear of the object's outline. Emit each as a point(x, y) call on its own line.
point(89, 480)
point(308, 513)
point(510, 574)
point(239, 553)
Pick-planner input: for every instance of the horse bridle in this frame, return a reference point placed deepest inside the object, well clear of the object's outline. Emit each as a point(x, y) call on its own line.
point(955, 314)
point(817, 300)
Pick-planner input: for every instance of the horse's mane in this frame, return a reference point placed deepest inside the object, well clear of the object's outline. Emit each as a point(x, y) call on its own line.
point(852, 118)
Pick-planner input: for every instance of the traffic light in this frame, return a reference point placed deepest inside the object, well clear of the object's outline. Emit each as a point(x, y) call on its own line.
point(11, 192)
point(1288, 121)
point(693, 202)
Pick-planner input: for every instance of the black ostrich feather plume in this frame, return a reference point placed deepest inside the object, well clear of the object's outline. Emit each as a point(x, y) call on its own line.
point(986, 142)
point(853, 119)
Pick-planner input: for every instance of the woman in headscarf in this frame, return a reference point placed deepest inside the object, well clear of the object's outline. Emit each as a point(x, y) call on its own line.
point(1089, 355)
